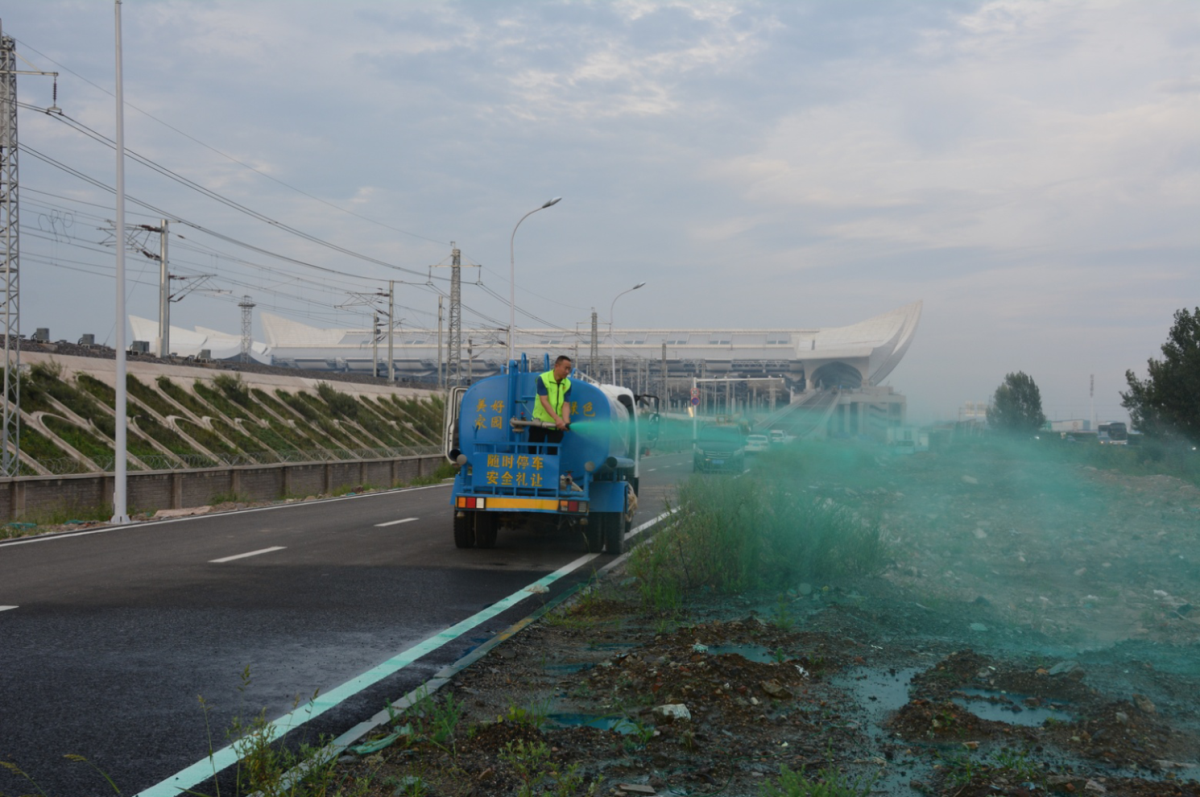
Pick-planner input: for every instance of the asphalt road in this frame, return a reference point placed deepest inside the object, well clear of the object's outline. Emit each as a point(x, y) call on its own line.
point(114, 637)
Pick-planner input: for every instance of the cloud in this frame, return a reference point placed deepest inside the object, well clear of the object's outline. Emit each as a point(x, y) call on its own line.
point(974, 153)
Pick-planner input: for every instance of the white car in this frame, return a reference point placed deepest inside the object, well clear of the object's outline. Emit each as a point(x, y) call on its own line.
point(757, 443)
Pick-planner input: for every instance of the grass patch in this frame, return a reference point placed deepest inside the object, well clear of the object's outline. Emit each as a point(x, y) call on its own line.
point(219, 402)
point(205, 437)
point(312, 410)
point(168, 438)
point(40, 447)
point(182, 397)
point(828, 782)
point(84, 442)
point(388, 432)
point(149, 396)
point(737, 535)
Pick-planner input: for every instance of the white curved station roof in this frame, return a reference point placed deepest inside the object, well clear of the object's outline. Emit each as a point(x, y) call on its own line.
point(872, 347)
point(190, 342)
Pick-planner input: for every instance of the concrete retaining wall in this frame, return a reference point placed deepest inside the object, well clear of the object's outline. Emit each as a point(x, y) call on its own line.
point(35, 496)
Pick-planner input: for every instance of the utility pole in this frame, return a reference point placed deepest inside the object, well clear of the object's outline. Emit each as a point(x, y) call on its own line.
point(247, 318)
point(440, 384)
point(455, 354)
point(391, 331)
point(10, 422)
point(1092, 398)
point(374, 344)
point(10, 434)
point(594, 361)
point(470, 356)
point(164, 294)
point(454, 345)
point(666, 395)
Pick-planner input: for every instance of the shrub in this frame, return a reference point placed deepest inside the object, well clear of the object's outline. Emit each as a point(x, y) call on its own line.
point(342, 405)
point(234, 388)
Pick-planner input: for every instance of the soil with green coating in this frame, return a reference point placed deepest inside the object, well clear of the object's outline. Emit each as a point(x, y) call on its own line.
point(1013, 646)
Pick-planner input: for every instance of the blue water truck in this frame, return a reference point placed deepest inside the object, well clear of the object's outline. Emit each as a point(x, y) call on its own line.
point(586, 485)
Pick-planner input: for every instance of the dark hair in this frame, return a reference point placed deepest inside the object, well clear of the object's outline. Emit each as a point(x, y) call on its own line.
point(560, 358)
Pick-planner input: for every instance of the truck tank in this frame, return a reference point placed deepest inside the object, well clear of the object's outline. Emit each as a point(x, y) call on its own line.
point(581, 485)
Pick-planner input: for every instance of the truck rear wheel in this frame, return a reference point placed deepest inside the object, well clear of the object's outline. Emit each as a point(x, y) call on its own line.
point(614, 533)
point(464, 530)
point(593, 532)
point(486, 526)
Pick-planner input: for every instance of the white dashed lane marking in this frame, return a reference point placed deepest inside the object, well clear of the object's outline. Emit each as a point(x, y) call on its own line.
point(396, 522)
point(244, 555)
point(6, 608)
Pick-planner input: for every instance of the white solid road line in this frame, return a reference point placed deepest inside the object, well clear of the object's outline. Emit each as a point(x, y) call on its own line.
point(244, 555)
point(6, 608)
point(396, 522)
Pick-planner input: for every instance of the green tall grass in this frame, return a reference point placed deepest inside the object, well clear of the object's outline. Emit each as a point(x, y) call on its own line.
point(762, 532)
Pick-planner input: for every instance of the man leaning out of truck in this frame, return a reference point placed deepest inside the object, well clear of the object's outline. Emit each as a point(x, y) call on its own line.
point(553, 406)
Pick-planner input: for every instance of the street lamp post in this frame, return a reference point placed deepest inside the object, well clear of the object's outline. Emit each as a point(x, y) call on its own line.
point(612, 348)
point(512, 275)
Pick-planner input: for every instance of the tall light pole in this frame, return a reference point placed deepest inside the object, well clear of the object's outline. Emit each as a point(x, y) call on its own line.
point(611, 335)
point(120, 509)
point(512, 275)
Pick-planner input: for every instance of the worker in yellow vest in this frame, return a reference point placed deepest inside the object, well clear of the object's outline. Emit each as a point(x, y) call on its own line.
point(553, 403)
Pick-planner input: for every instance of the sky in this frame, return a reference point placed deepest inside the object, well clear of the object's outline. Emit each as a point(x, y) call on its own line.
point(1029, 170)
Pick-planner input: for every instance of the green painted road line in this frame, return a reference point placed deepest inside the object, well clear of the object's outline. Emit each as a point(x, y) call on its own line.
point(202, 770)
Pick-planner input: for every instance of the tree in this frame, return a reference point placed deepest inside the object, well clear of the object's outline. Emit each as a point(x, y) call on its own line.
point(1167, 403)
point(1017, 405)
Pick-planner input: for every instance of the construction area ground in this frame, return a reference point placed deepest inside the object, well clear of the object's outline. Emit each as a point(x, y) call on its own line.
point(1030, 630)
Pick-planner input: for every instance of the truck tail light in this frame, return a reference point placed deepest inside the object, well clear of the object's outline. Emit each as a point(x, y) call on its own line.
point(470, 502)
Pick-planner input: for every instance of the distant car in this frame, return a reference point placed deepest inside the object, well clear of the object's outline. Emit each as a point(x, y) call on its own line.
point(720, 448)
point(778, 436)
point(757, 443)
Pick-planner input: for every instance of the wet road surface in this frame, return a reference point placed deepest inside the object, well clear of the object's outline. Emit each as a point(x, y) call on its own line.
point(116, 636)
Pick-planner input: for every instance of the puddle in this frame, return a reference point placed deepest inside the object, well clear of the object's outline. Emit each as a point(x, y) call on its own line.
point(880, 693)
point(755, 653)
point(601, 722)
point(989, 704)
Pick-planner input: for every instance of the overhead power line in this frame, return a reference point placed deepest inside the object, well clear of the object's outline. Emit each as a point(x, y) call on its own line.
point(163, 213)
point(231, 203)
point(230, 157)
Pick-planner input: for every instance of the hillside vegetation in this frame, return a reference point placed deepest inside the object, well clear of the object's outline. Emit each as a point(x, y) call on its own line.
point(68, 424)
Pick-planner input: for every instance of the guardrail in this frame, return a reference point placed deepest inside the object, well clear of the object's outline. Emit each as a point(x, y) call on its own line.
point(179, 487)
